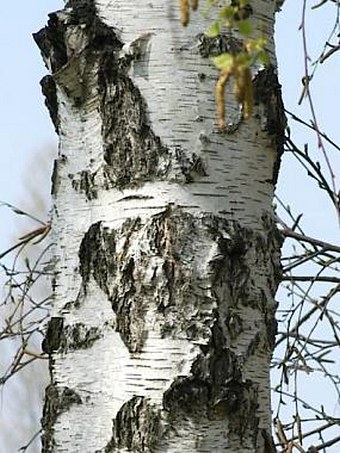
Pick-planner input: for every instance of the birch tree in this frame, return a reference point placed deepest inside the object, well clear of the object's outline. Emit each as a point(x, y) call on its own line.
point(166, 248)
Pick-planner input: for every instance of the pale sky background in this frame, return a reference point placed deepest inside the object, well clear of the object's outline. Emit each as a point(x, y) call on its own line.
point(26, 129)
point(25, 126)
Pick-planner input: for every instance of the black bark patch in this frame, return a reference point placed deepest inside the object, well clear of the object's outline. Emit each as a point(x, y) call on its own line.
point(132, 152)
point(97, 255)
point(173, 235)
point(135, 197)
point(83, 11)
point(51, 42)
point(85, 182)
point(55, 179)
point(72, 43)
point(215, 389)
point(49, 90)
point(272, 242)
point(267, 92)
point(116, 276)
point(130, 308)
point(57, 401)
point(187, 396)
point(54, 335)
point(229, 265)
point(52, 39)
point(167, 273)
point(196, 166)
point(127, 295)
point(79, 336)
point(209, 384)
point(212, 47)
point(136, 428)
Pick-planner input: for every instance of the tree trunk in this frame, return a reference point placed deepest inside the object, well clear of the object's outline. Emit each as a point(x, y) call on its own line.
point(166, 255)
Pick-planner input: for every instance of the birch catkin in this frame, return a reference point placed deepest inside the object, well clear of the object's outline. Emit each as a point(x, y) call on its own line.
point(185, 12)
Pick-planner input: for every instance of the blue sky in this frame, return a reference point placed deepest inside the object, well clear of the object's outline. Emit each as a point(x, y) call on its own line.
point(25, 126)
point(295, 188)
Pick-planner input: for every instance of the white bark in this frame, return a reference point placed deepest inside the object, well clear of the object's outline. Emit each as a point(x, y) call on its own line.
point(166, 254)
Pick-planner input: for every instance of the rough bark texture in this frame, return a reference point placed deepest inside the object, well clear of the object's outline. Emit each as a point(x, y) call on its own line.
point(167, 256)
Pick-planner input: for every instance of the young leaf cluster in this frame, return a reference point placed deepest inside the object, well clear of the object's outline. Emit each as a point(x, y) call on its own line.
point(233, 16)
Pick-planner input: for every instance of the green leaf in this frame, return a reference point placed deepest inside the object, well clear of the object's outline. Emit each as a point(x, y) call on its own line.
point(227, 12)
point(263, 57)
point(214, 30)
point(244, 59)
point(245, 27)
point(223, 61)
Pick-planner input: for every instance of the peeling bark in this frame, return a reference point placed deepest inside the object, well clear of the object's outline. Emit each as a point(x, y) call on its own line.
point(267, 95)
point(167, 255)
